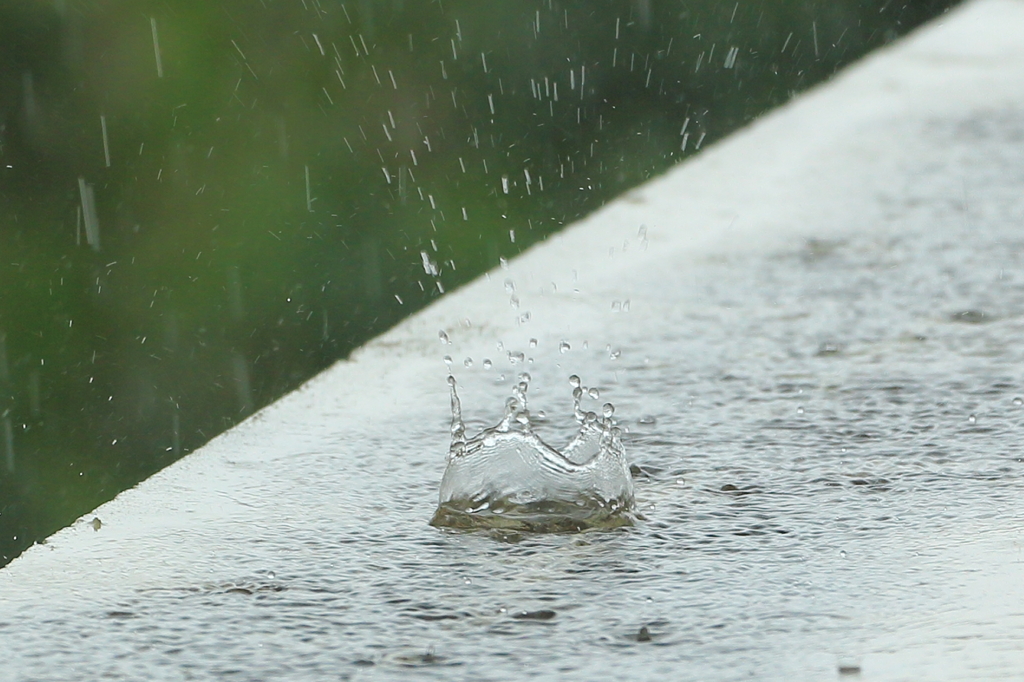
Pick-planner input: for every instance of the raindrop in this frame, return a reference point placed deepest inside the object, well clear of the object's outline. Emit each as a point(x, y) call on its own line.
point(510, 286)
point(614, 355)
point(468, 362)
point(271, 575)
point(448, 361)
point(564, 347)
point(513, 301)
point(533, 343)
point(594, 393)
point(442, 336)
point(800, 410)
point(89, 215)
point(487, 363)
point(504, 184)
point(1018, 401)
point(429, 266)
point(973, 419)
point(106, 142)
point(156, 49)
point(842, 554)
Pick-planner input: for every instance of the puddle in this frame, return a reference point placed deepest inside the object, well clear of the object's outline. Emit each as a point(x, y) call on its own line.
point(828, 483)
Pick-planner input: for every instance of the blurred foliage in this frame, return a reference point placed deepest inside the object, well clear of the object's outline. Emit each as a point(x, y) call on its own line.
point(288, 178)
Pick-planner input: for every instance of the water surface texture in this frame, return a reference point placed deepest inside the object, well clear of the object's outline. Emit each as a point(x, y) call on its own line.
point(824, 408)
point(828, 438)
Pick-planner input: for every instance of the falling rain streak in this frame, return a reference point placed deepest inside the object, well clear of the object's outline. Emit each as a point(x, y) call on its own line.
point(156, 49)
point(106, 142)
point(309, 192)
point(92, 221)
point(6, 396)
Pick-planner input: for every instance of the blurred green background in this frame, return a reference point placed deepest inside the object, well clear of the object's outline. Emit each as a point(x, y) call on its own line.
point(202, 204)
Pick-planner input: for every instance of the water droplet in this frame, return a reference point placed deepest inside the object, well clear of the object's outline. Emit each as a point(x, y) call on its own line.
point(800, 410)
point(429, 266)
point(533, 343)
point(608, 410)
point(524, 377)
point(510, 286)
point(564, 347)
point(524, 318)
point(448, 361)
point(503, 263)
point(513, 301)
point(842, 554)
point(647, 419)
point(973, 419)
point(443, 338)
point(594, 393)
point(1018, 401)
point(271, 575)
point(504, 184)
point(515, 358)
point(614, 355)
point(468, 362)
point(487, 363)
point(574, 381)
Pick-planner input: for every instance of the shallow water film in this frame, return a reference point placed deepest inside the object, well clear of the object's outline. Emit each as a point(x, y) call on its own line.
point(828, 439)
point(507, 478)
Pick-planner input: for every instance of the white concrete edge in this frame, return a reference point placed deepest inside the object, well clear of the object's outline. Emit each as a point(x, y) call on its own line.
point(801, 165)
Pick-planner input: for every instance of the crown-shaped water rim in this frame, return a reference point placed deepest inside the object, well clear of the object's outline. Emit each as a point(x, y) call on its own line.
point(507, 471)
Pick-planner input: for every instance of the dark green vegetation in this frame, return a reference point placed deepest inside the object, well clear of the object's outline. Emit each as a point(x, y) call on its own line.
point(302, 174)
